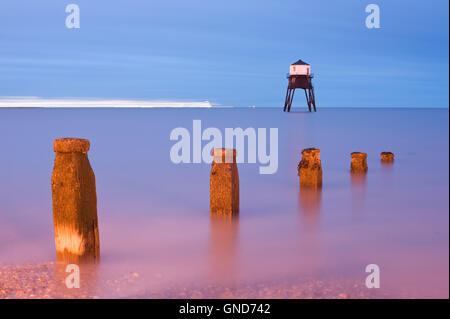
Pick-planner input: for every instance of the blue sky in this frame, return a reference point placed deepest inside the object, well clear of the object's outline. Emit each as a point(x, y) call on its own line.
point(228, 52)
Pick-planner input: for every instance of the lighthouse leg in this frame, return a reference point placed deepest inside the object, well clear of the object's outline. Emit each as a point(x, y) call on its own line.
point(292, 97)
point(307, 100)
point(286, 102)
point(310, 98)
point(313, 98)
point(291, 92)
point(286, 99)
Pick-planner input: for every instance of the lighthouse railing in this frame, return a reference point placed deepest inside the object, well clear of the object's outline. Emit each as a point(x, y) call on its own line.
point(288, 75)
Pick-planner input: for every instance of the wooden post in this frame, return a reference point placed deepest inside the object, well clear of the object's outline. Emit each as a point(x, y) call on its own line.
point(224, 183)
point(387, 157)
point(74, 203)
point(359, 162)
point(310, 168)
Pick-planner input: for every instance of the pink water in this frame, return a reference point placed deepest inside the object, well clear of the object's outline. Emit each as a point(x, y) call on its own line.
point(154, 215)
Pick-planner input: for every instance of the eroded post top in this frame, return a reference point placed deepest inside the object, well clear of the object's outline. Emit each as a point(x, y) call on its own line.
point(71, 145)
point(387, 156)
point(358, 155)
point(312, 153)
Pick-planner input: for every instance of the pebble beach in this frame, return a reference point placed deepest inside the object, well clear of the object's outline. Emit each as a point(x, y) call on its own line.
point(38, 282)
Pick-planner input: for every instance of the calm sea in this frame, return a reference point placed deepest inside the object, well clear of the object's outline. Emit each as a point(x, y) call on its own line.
point(154, 215)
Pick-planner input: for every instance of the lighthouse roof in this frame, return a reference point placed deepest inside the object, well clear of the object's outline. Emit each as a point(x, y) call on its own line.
point(300, 62)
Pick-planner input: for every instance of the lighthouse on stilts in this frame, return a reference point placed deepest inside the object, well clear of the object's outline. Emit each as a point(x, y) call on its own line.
point(300, 78)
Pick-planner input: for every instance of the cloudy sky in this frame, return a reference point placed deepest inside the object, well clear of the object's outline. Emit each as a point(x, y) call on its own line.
point(233, 53)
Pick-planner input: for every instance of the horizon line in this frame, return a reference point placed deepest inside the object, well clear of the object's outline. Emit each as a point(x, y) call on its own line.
point(38, 102)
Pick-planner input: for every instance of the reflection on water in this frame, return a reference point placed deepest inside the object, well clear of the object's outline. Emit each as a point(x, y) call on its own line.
point(359, 181)
point(223, 247)
point(358, 186)
point(387, 168)
point(310, 200)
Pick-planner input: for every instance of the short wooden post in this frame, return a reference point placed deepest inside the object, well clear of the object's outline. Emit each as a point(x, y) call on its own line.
point(310, 168)
point(359, 162)
point(224, 183)
point(387, 157)
point(74, 203)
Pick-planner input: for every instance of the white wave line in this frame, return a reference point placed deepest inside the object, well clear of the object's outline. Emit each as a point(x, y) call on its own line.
point(12, 102)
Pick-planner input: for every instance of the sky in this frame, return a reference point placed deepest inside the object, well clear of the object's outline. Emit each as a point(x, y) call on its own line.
point(230, 53)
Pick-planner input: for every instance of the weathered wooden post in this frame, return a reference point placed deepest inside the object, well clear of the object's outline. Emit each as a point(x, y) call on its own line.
point(224, 183)
point(74, 203)
point(387, 157)
point(310, 168)
point(359, 162)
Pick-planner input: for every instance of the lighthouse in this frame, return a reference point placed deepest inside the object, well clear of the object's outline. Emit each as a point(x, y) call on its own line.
point(300, 77)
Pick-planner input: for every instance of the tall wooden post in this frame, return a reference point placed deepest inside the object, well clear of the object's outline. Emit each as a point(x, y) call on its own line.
point(74, 203)
point(310, 169)
point(224, 183)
